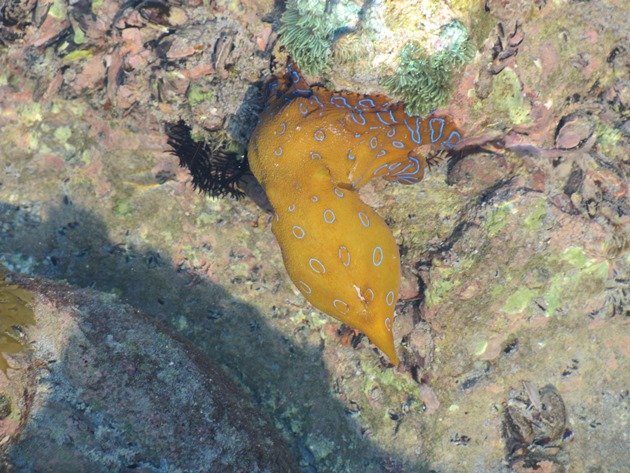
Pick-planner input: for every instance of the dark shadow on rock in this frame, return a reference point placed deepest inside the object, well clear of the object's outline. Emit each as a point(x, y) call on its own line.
point(104, 388)
point(288, 382)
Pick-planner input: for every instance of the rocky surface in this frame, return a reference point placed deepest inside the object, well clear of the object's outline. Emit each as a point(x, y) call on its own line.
point(101, 388)
point(514, 323)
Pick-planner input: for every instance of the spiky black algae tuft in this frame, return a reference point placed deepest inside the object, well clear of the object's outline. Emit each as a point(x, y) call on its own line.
point(214, 169)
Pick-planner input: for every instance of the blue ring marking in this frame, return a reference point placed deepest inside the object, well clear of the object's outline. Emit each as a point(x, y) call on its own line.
point(360, 114)
point(449, 143)
point(381, 153)
point(319, 135)
point(398, 144)
point(365, 220)
point(272, 87)
point(295, 77)
point(378, 169)
point(303, 110)
point(302, 93)
point(370, 101)
point(327, 216)
point(404, 170)
point(315, 155)
point(351, 156)
point(391, 132)
point(391, 116)
point(343, 250)
point(377, 250)
point(283, 128)
point(441, 122)
point(415, 134)
point(394, 166)
point(316, 99)
point(373, 142)
point(278, 151)
point(336, 98)
point(408, 180)
point(357, 135)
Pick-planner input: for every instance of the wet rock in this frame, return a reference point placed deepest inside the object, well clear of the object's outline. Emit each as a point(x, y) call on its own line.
point(535, 421)
point(573, 131)
point(5, 407)
point(52, 29)
point(430, 399)
point(478, 171)
point(107, 390)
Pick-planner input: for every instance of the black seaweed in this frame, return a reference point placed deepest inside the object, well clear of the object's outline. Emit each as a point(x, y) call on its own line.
point(214, 169)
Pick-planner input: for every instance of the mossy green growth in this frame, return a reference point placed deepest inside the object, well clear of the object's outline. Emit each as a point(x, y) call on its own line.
point(308, 29)
point(389, 382)
point(30, 114)
point(519, 300)
point(608, 138)
point(197, 95)
point(122, 207)
point(507, 98)
point(498, 219)
point(63, 134)
point(573, 276)
point(77, 55)
point(423, 80)
point(96, 6)
point(79, 36)
point(445, 279)
point(14, 312)
point(584, 275)
point(534, 220)
point(59, 9)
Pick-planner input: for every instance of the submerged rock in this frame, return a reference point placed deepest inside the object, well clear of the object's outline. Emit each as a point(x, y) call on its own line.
point(105, 389)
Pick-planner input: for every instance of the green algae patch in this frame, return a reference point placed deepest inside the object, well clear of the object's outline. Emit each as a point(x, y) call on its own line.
point(583, 274)
point(608, 139)
point(572, 274)
point(31, 113)
point(575, 256)
point(443, 280)
point(77, 55)
point(508, 99)
point(123, 208)
point(388, 381)
point(79, 36)
point(498, 219)
point(14, 312)
point(534, 220)
point(479, 347)
point(197, 95)
point(59, 9)
point(519, 300)
point(63, 134)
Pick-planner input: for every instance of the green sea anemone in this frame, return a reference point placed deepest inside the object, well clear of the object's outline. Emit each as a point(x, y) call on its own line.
point(309, 27)
point(423, 80)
